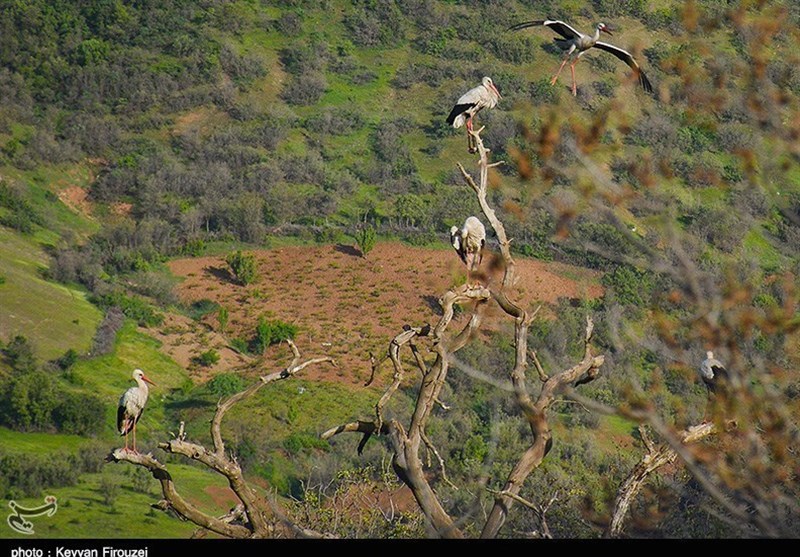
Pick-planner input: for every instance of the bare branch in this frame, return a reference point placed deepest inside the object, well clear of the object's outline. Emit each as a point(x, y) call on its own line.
point(654, 458)
point(429, 444)
point(174, 499)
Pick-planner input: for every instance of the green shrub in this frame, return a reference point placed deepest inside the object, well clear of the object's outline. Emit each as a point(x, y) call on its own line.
point(630, 285)
point(19, 353)
point(28, 402)
point(132, 306)
point(79, 414)
point(222, 319)
point(24, 475)
point(365, 238)
point(243, 267)
point(68, 360)
point(226, 384)
point(240, 345)
point(269, 332)
point(207, 358)
point(296, 442)
point(201, 308)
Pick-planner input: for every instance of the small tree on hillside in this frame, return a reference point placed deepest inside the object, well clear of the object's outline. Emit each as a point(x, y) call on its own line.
point(243, 267)
point(365, 238)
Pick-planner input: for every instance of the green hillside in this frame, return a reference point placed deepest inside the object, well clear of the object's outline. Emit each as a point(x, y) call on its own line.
point(55, 317)
point(133, 133)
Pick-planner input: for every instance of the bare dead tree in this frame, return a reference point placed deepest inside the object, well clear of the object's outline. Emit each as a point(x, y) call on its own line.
point(406, 443)
point(256, 516)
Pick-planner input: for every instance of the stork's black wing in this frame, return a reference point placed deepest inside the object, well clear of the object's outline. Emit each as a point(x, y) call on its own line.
point(626, 57)
point(463, 255)
point(720, 374)
point(122, 426)
point(563, 29)
point(458, 109)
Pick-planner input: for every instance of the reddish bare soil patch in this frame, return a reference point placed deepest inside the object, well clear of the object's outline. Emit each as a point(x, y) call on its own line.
point(347, 306)
point(75, 197)
point(183, 339)
point(120, 208)
point(374, 495)
point(223, 497)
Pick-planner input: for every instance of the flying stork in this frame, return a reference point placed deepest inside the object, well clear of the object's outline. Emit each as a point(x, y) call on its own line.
point(131, 405)
point(468, 243)
point(574, 40)
point(713, 374)
point(470, 103)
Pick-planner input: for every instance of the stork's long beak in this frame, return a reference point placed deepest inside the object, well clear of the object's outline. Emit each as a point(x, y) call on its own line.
point(145, 379)
point(605, 30)
point(496, 90)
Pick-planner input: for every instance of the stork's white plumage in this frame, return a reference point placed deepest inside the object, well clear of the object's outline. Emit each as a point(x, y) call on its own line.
point(131, 406)
point(470, 103)
point(574, 41)
point(468, 243)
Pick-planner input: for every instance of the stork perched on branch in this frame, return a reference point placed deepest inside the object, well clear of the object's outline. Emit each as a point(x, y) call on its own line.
point(468, 243)
point(131, 406)
point(574, 41)
point(470, 103)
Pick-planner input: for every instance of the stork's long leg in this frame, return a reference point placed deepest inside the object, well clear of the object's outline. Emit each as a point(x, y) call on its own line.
point(574, 84)
point(470, 140)
point(134, 438)
point(555, 77)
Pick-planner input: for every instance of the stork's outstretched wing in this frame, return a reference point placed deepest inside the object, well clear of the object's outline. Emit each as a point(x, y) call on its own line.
point(563, 29)
point(627, 57)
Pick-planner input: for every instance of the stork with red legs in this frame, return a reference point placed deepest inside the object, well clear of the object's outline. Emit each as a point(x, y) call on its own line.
point(470, 103)
point(574, 41)
point(131, 406)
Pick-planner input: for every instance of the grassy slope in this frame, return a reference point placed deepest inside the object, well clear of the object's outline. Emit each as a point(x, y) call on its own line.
point(55, 317)
point(83, 513)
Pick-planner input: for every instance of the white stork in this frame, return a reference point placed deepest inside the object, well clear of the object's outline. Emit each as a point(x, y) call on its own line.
point(713, 374)
point(574, 40)
point(468, 243)
point(131, 405)
point(470, 103)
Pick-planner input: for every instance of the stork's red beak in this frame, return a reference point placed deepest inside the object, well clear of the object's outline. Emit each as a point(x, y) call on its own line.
point(604, 29)
point(496, 90)
point(146, 380)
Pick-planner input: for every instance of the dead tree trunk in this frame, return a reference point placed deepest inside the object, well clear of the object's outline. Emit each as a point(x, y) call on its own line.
point(406, 444)
point(653, 459)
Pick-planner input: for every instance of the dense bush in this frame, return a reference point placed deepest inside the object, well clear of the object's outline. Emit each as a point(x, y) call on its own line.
point(630, 285)
point(243, 267)
point(305, 89)
point(23, 475)
point(20, 214)
point(79, 414)
point(269, 332)
point(225, 384)
point(132, 306)
point(207, 358)
point(365, 239)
